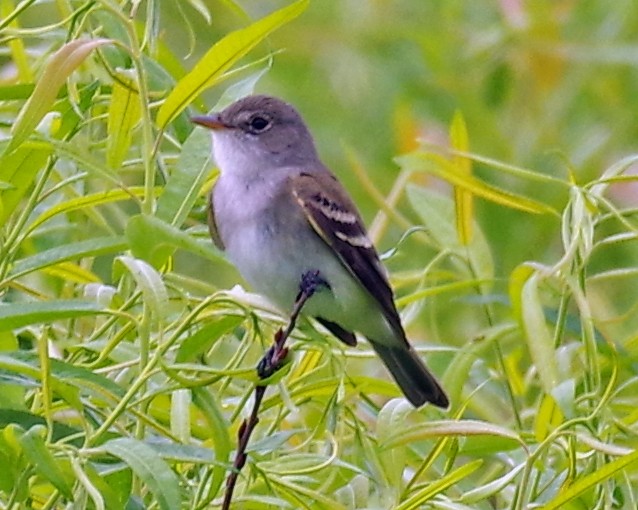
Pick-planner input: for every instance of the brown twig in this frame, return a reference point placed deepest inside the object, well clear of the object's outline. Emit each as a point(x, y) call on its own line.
point(269, 364)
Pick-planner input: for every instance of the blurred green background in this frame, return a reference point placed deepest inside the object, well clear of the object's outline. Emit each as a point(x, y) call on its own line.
point(546, 85)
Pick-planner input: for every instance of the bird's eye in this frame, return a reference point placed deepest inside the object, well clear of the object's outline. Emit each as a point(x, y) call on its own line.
point(258, 124)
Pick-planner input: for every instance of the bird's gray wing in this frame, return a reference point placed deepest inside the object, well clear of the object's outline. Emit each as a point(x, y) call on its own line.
point(212, 225)
point(334, 217)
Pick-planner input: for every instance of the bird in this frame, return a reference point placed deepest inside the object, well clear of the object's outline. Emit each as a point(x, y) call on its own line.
point(279, 213)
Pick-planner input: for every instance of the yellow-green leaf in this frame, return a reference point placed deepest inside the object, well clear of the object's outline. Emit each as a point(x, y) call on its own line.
point(46, 465)
point(16, 46)
point(222, 56)
point(597, 477)
point(438, 487)
point(463, 202)
point(18, 170)
point(149, 282)
point(441, 167)
point(448, 428)
point(70, 272)
point(548, 417)
point(88, 201)
point(124, 113)
point(532, 319)
point(57, 70)
point(151, 469)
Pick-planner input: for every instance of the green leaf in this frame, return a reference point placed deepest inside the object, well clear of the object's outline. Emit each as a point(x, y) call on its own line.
point(17, 315)
point(154, 241)
point(87, 201)
point(185, 183)
point(441, 167)
point(85, 160)
point(27, 420)
point(124, 113)
point(18, 170)
point(13, 462)
point(437, 214)
point(89, 248)
point(463, 202)
point(104, 490)
point(45, 464)
point(599, 476)
point(150, 468)
point(150, 283)
point(529, 312)
point(485, 445)
point(218, 428)
point(452, 428)
point(180, 414)
point(393, 416)
point(492, 488)
point(13, 363)
point(439, 486)
point(63, 375)
point(222, 56)
point(297, 493)
point(202, 340)
point(59, 67)
point(16, 91)
point(185, 453)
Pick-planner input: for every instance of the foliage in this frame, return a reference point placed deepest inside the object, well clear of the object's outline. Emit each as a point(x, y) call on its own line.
point(126, 366)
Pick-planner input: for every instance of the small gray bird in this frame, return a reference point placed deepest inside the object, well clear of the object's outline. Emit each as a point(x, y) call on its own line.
point(279, 213)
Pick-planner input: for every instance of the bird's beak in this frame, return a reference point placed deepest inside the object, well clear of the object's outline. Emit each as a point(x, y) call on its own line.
point(212, 121)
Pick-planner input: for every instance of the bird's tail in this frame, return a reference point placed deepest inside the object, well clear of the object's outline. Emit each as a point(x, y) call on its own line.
point(415, 380)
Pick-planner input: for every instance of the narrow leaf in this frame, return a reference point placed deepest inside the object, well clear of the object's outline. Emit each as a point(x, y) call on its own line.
point(87, 201)
point(89, 248)
point(453, 428)
point(185, 183)
point(437, 214)
point(45, 464)
point(17, 315)
point(154, 241)
point(539, 340)
point(441, 167)
point(218, 428)
point(71, 272)
point(150, 282)
point(463, 166)
point(19, 56)
point(439, 486)
point(221, 57)
point(595, 479)
point(27, 363)
point(150, 468)
point(548, 417)
point(393, 416)
point(124, 113)
point(492, 488)
point(198, 343)
point(58, 69)
point(18, 170)
point(180, 414)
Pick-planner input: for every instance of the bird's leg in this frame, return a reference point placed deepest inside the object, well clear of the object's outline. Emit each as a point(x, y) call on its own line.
point(311, 281)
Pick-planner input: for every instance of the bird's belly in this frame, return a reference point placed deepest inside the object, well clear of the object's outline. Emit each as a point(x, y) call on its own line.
point(272, 256)
point(274, 265)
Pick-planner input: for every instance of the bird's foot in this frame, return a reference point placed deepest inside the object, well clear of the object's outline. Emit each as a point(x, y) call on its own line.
point(311, 281)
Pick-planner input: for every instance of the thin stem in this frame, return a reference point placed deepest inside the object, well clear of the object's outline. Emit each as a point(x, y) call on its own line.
point(269, 365)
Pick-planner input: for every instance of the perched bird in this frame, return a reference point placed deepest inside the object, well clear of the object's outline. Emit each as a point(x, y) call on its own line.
point(279, 213)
